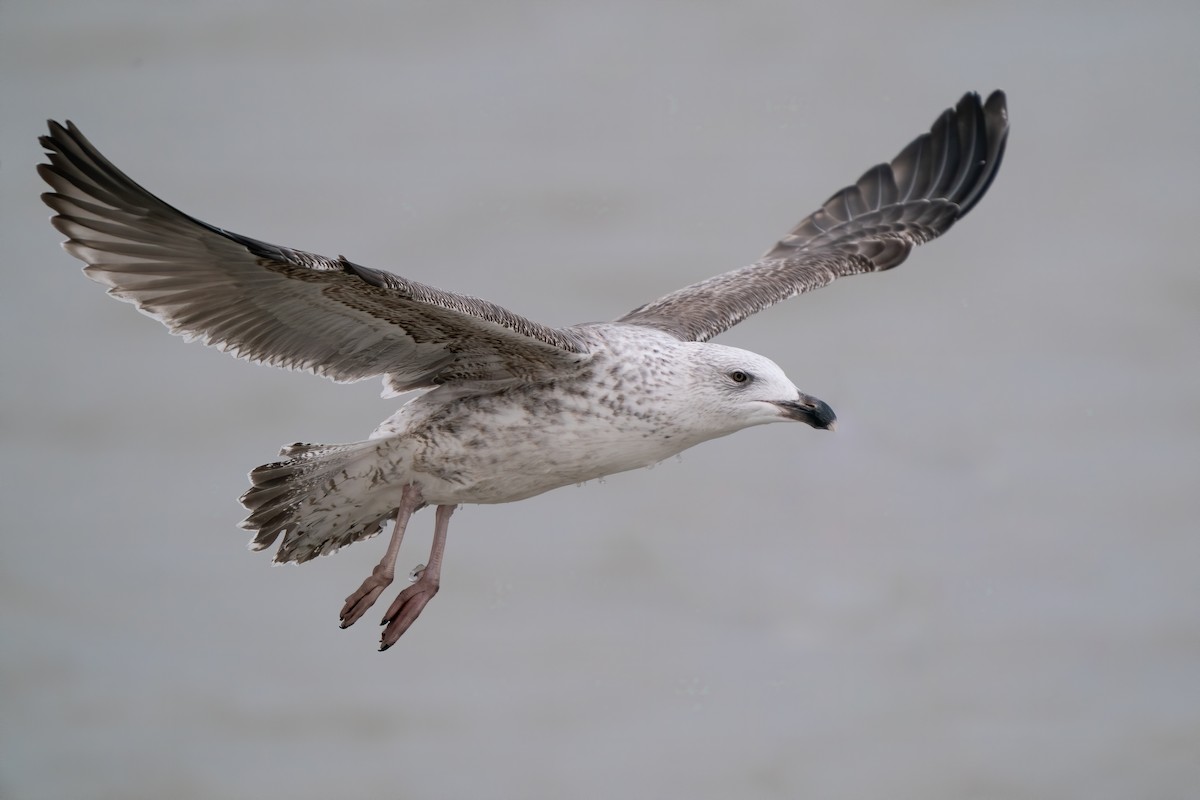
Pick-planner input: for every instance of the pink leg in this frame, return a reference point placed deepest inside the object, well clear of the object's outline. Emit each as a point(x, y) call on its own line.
point(407, 607)
point(381, 577)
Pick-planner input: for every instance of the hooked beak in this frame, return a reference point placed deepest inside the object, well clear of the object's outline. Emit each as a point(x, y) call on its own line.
point(810, 411)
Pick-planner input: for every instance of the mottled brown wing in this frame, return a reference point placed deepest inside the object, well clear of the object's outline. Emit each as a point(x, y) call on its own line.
point(868, 227)
point(278, 306)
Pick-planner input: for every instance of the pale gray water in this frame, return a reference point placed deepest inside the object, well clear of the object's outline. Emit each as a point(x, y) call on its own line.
point(985, 585)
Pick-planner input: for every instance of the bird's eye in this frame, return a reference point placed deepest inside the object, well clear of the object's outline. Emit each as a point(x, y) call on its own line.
point(737, 376)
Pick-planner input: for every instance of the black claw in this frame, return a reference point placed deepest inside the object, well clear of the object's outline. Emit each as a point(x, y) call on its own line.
point(383, 646)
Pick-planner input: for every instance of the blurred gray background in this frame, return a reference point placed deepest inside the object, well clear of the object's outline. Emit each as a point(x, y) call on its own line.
point(986, 584)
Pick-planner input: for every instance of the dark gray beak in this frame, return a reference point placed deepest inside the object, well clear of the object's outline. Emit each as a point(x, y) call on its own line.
point(810, 411)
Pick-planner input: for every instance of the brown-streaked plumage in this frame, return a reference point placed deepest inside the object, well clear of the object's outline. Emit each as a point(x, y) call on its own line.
point(511, 408)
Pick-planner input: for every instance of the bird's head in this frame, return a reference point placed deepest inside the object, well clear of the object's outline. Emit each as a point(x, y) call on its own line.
point(739, 389)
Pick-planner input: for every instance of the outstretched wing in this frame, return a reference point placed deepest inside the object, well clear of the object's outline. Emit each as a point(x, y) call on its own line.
point(868, 227)
point(277, 306)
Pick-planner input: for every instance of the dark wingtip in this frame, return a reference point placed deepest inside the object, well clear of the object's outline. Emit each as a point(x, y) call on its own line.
point(60, 132)
point(994, 112)
point(997, 102)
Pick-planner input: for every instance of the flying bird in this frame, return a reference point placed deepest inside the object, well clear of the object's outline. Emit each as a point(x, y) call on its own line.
point(509, 408)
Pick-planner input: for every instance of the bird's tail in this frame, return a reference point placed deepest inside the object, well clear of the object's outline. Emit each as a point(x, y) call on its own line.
point(320, 497)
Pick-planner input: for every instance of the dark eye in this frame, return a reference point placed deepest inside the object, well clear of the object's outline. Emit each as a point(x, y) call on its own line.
point(737, 376)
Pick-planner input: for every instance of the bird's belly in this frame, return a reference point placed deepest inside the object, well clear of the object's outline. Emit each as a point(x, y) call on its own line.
point(526, 457)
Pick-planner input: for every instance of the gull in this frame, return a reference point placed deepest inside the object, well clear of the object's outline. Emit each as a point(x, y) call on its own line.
point(509, 408)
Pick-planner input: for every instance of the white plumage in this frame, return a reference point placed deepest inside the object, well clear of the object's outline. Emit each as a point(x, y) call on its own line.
point(513, 408)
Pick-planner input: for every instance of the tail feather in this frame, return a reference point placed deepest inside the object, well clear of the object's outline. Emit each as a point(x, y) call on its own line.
point(319, 498)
